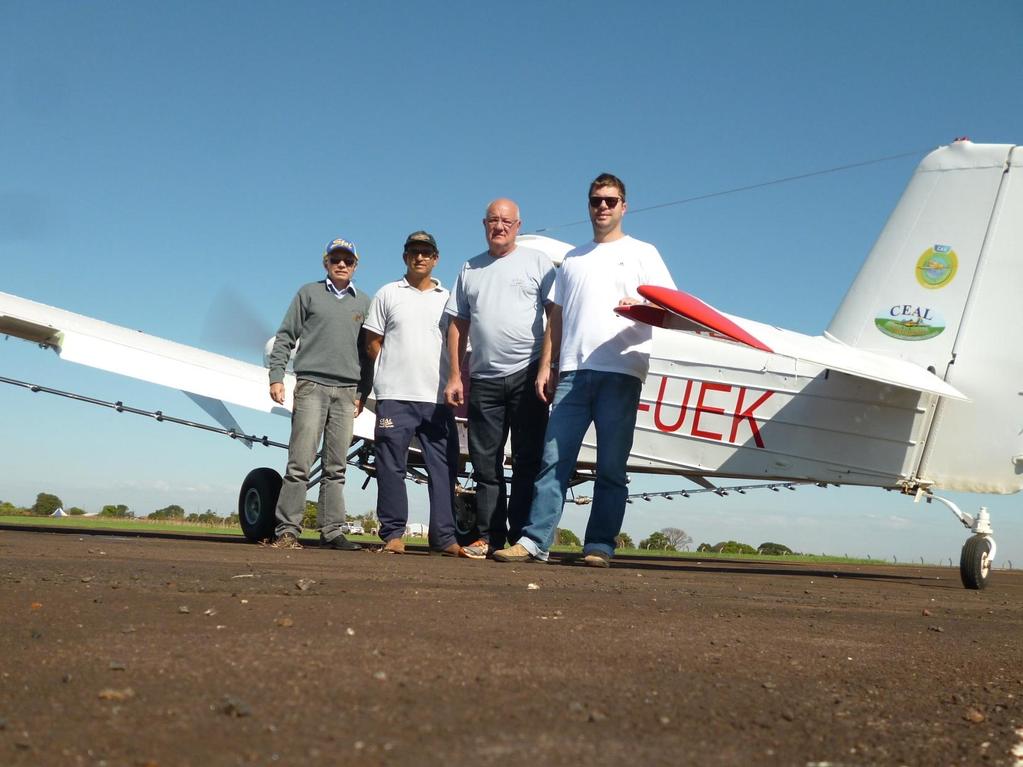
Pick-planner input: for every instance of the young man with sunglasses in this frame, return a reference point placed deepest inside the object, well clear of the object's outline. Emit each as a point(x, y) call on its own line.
point(334, 377)
point(405, 334)
point(603, 361)
point(498, 306)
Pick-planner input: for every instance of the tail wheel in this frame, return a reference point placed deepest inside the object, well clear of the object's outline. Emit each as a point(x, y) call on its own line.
point(975, 563)
point(256, 503)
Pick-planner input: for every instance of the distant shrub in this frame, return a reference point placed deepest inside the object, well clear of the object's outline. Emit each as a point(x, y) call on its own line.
point(733, 547)
point(657, 542)
point(773, 549)
point(567, 538)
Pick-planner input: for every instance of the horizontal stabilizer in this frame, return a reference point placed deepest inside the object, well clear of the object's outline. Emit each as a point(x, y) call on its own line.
point(818, 350)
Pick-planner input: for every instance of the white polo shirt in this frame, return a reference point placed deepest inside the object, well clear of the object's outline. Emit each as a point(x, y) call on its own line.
point(413, 362)
point(592, 279)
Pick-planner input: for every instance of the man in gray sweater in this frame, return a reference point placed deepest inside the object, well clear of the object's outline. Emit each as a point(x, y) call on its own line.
point(334, 379)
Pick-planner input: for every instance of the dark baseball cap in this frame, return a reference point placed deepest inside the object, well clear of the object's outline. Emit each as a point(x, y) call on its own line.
point(423, 238)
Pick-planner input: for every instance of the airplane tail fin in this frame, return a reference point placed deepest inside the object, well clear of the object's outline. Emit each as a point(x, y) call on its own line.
point(940, 289)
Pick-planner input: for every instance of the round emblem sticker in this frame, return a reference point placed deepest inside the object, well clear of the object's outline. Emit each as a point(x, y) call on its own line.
point(936, 267)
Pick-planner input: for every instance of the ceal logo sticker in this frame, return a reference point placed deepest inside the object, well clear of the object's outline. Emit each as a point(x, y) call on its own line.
point(909, 322)
point(936, 267)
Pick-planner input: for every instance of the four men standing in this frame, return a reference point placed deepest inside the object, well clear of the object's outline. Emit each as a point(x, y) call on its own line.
point(497, 310)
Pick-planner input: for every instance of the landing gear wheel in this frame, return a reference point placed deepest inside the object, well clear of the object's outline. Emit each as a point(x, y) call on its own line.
point(975, 563)
point(256, 503)
point(465, 518)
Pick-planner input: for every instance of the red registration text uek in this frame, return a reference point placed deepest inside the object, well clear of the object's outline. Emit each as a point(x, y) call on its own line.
point(701, 399)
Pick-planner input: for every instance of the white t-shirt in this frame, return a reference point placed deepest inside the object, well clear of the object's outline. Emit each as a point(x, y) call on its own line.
point(592, 279)
point(413, 363)
point(503, 299)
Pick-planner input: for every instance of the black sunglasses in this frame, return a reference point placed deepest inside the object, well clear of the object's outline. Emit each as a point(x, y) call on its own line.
point(611, 202)
point(348, 260)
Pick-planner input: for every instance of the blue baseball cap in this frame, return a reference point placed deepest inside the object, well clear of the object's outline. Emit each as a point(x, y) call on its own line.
point(340, 243)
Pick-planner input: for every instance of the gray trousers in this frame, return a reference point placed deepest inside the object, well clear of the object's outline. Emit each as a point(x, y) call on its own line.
point(320, 411)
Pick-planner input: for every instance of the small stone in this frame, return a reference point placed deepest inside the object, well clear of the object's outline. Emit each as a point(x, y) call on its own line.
point(235, 707)
point(926, 613)
point(973, 715)
point(128, 630)
point(66, 679)
point(184, 610)
point(350, 631)
point(86, 578)
point(533, 586)
point(304, 584)
point(597, 715)
point(116, 665)
point(37, 605)
point(210, 611)
point(380, 676)
point(285, 622)
point(769, 685)
point(118, 695)
point(938, 629)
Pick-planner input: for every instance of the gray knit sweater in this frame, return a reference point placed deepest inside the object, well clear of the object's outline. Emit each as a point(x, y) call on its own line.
point(333, 349)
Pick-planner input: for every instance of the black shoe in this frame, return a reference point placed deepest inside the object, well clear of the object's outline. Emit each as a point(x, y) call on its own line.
point(340, 543)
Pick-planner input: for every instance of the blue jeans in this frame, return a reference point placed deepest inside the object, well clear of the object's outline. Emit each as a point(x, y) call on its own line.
point(608, 401)
point(320, 411)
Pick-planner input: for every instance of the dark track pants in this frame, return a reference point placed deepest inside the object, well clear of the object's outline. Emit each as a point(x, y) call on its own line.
point(433, 425)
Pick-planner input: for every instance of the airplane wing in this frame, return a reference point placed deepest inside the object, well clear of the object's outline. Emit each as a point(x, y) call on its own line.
point(676, 310)
point(98, 344)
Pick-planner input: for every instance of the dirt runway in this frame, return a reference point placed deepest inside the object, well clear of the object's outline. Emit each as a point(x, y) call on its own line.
point(129, 651)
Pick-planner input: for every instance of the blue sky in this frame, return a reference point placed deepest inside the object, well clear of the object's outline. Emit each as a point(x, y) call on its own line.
point(157, 155)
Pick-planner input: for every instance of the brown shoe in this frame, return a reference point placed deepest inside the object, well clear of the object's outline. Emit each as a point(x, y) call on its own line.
point(516, 553)
point(454, 550)
point(286, 541)
point(393, 546)
point(597, 559)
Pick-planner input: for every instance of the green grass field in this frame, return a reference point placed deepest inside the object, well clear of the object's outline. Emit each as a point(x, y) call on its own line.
point(144, 526)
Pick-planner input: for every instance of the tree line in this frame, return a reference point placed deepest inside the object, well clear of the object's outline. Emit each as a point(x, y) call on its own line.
point(47, 503)
point(665, 539)
point(677, 539)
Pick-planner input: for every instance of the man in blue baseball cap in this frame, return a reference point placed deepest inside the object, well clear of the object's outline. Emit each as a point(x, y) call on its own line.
point(334, 378)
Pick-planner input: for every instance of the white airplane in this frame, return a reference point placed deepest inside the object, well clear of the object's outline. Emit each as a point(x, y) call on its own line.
point(913, 387)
